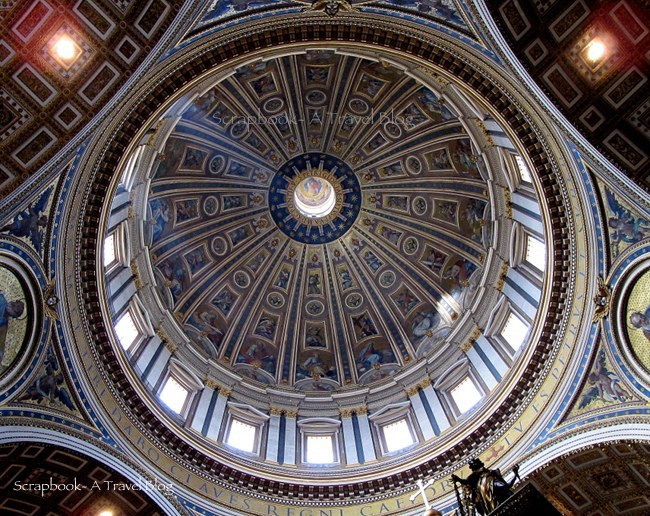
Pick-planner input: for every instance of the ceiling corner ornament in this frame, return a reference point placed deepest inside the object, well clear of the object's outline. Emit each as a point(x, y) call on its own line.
point(330, 7)
point(51, 300)
point(602, 300)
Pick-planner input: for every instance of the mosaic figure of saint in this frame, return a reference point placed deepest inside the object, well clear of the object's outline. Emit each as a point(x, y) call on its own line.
point(641, 321)
point(9, 309)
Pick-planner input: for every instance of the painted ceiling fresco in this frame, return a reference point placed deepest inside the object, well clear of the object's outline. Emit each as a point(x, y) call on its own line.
point(345, 298)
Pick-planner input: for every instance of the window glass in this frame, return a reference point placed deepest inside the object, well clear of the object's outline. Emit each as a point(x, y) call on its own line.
point(173, 394)
point(241, 435)
point(466, 395)
point(109, 250)
point(397, 435)
point(524, 173)
point(514, 331)
point(126, 330)
point(536, 253)
point(319, 449)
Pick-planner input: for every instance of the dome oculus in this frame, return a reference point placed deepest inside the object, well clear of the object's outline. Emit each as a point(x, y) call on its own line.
point(314, 197)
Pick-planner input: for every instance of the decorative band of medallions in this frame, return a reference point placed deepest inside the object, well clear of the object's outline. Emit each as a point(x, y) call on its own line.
point(319, 229)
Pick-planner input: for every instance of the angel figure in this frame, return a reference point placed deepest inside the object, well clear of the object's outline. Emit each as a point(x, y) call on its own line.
point(606, 385)
point(31, 223)
point(641, 321)
point(624, 225)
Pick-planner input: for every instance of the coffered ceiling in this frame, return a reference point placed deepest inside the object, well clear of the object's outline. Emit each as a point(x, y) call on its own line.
point(607, 99)
point(45, 99)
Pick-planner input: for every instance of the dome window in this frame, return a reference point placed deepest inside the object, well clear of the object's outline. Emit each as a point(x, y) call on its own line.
point(110, 255)
point(319, 438)
point(535, 253)
point(126, 330)
point(514, 331)
point(242, 436)
point(244, 429)
point(465, 395)
point(174, 394)
point(397, 435)
point(522, 168)
point(320, 449)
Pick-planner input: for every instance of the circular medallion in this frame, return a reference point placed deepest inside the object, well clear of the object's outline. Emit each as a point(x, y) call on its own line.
point(219, 246)
point(239, 129)
point(359, 106)
point(315, 308)
point(635, 315)
point(273, 105)
point(19, 323)
point(419, 205)
point(210, 205)
point(275, 299)
point(392, 130)
point(413, 165)
point(217, 164)
point(241, 279)
point(387, 278)
point(315, 198)
point(411, 245)
point(15, 321)
point(316, 97)
point(354, 301)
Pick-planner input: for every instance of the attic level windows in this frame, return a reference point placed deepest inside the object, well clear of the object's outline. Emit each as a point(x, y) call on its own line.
point(397, 435)
point(174, 395)
point(514, 331)
point(535, 253)
point(126, 330)
point(465, 395)
point(522, 168)
point(242, 436)
point(320, 449)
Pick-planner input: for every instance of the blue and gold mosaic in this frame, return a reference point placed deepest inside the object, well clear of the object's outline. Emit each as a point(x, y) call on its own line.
point(287, 190)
